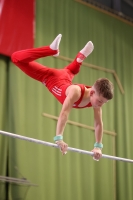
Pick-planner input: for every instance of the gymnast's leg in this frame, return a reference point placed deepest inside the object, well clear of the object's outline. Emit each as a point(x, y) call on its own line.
point(74, 67)
point(25, 59)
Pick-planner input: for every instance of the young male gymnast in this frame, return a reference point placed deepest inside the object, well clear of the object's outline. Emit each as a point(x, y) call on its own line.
point(59, 83)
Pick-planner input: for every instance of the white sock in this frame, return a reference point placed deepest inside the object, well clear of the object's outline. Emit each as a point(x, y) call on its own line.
point(86, 51)
point(55, 44)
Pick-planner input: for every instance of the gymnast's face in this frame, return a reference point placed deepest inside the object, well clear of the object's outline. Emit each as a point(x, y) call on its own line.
point(96, 99)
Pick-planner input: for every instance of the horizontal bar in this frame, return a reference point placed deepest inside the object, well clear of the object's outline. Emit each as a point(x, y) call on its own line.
point(54, 145)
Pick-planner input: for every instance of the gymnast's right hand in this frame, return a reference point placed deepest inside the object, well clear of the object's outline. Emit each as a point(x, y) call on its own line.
point(63, 146)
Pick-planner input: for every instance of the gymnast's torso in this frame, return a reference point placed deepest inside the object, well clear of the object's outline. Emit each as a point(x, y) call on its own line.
point(59, 91)
point(57, 83)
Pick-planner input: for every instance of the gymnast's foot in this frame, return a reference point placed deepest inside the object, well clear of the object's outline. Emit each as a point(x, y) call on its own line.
point(55, 44)
point(86, 51)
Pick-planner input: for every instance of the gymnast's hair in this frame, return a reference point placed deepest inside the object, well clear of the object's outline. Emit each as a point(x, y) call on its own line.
point(104, 87)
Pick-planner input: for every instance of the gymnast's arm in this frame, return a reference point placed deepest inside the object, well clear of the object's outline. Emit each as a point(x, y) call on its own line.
point(98, 124)
point(73, 95)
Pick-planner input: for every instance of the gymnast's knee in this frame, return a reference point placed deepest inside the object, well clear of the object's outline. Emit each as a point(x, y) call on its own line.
point(15, 58)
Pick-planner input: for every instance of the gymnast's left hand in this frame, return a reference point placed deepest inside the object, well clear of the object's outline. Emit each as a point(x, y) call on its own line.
point(97, 154)
point(63, 146)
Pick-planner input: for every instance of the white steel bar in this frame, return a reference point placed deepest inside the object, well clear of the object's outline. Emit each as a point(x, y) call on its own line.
point(55, 145)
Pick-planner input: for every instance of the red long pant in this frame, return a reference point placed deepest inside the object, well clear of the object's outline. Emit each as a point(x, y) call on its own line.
point(56, 80)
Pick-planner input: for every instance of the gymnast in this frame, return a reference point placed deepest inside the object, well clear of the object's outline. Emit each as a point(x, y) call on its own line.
point(70, 95)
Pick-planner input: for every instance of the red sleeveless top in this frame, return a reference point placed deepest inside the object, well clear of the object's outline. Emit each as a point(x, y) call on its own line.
point(80, 99)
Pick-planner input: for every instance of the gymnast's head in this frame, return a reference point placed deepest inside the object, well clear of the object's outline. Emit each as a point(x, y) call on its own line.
point(101, 92)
